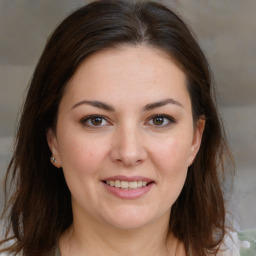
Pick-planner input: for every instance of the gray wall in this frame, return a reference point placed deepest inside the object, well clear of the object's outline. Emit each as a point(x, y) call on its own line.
point(226, 31)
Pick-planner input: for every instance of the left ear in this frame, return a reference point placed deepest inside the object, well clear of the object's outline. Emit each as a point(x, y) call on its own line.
point(197, 138)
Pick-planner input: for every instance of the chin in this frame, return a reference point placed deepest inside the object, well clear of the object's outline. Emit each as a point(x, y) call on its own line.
point(130, 220)
point(130, 224)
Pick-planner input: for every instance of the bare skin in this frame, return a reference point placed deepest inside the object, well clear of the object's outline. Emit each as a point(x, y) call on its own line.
point(125, 243)
point(127, 112)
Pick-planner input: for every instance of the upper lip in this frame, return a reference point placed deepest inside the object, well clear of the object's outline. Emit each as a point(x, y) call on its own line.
point(128, 178)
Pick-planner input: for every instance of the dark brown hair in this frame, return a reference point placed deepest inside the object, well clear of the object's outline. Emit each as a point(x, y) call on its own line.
point(39, 209)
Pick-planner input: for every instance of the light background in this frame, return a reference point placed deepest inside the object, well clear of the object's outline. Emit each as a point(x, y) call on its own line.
point(226, 30)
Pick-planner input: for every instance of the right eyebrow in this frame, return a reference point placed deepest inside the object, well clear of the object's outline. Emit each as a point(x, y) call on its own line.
point(94, 103)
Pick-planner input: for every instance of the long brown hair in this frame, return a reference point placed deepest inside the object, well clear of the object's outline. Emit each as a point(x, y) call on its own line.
point(39, 209)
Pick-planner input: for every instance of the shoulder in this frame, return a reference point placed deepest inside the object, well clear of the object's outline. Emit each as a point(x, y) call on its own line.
point(239, 244)
point(230, 245)
point(247, 240)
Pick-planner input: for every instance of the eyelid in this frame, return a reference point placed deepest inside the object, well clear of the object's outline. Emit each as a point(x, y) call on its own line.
point(87, 118)
point(170, 119)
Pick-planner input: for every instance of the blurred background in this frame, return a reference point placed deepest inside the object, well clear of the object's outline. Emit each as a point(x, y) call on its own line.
point(226, 30)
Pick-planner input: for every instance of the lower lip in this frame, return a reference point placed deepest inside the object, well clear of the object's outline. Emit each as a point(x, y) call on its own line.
point(128, 193)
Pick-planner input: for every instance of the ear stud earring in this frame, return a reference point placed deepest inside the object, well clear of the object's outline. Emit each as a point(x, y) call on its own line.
point(53, 160)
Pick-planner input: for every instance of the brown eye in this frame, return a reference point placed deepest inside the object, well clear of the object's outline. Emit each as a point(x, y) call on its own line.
point(159, 120)
point(96, 120)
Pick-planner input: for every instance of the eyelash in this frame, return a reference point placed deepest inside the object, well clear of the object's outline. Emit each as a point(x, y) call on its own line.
point(85, 121)
point(170, 120)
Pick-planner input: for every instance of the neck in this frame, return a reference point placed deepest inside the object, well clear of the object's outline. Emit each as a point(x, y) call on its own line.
point(90, 237)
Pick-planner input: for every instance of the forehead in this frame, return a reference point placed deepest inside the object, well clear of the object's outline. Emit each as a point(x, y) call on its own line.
point(128, 72)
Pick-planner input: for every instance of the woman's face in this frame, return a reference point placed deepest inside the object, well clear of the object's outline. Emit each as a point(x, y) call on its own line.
point(125, 136)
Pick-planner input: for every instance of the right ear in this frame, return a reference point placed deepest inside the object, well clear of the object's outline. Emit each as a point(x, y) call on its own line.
point(53, 145)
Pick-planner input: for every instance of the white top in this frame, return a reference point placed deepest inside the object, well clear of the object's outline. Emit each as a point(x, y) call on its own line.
point(239, 244)
point(231, 245)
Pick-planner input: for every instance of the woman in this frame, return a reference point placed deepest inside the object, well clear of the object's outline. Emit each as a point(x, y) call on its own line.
point(120, 146)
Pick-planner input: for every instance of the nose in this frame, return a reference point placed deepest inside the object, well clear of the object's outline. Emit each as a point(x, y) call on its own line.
point(128, 148)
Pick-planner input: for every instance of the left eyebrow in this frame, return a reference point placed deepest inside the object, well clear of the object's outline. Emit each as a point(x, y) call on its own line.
point(161, 104)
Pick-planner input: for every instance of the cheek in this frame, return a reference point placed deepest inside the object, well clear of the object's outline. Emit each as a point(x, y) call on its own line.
point(170, 160)
point(172, 154)
point(82, 155)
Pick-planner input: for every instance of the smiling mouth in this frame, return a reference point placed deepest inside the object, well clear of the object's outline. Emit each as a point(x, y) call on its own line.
point(127, 184)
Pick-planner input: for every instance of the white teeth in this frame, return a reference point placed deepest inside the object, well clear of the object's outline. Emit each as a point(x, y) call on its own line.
point(117, 184)
point(133, 184)
point(139, 184)
point(126, 184)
